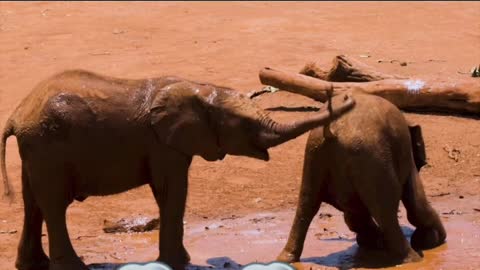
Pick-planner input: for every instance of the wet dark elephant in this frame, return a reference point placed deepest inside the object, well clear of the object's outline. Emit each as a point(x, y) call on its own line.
point(81, 134)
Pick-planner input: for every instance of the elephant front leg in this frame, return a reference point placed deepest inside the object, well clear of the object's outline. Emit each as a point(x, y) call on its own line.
point(171, 194)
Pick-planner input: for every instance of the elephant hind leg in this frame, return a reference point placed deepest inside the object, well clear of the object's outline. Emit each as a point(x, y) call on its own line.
point(53, 199)
point(309, 202)
point(368, 234)
point(31, 255)
point(382, 200)
point(303, 217)
point(429, 231)
point(394, 241)
point(62, 254)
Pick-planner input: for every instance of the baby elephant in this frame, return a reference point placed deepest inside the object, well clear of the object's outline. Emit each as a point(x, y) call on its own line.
point(363, 165)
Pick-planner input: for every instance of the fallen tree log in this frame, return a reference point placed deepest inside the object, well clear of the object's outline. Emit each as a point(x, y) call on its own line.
point(460, 97)
point(345, 69)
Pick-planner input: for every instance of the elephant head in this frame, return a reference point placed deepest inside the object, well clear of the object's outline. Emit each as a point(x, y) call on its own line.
point(212, 121)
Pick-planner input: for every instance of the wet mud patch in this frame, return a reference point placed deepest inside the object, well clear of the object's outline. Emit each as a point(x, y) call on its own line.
point(229, 243)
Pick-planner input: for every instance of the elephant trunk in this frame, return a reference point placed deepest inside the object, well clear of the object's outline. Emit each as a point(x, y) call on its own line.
point(278, 133)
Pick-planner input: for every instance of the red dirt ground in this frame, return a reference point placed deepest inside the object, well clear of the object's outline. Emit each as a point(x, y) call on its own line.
point(227, 43)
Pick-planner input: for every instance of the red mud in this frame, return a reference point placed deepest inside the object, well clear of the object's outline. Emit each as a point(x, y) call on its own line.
point(227, 43)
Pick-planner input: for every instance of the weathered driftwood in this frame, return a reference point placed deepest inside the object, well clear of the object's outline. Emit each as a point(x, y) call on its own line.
point(461, 97)
point(345, 69)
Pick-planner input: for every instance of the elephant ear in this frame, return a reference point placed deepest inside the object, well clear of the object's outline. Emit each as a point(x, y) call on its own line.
point(418, 146)
point(180, 120)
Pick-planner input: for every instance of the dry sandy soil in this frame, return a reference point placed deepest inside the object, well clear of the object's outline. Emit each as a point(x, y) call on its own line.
point(227, 44)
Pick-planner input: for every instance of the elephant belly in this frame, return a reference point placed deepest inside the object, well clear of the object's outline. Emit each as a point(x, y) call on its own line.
point(107, 178)
point(109, 168)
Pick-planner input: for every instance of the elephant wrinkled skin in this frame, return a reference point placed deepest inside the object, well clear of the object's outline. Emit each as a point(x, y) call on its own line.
point(367, 162)
point(81, 134)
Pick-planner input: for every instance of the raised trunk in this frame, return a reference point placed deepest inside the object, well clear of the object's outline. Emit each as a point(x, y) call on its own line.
point(277, 133)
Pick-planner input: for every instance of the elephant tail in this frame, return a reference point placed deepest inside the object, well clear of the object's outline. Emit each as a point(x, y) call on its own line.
point(8, 131)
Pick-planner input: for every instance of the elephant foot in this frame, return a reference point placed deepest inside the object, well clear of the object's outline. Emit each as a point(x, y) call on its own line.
point(178, 262)
point(428, 238)
point(288, 257)
point(175, 265)
point(409, 256)
point(62, 266)
point(70, 265)
point(40, 263)
point(370, 240)
point(375, 258)
point(412, 256)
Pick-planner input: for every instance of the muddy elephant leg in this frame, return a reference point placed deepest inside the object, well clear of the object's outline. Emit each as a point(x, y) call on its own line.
point(382, 198)
point(52, 192)
point(30, 251)
point(62, 254)
point(308, 205)
point(395, 242)
point(170, 191)
point(429, 231)
point(368, 233)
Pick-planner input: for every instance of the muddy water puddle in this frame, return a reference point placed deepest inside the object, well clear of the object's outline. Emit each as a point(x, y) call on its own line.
point(231, 242)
